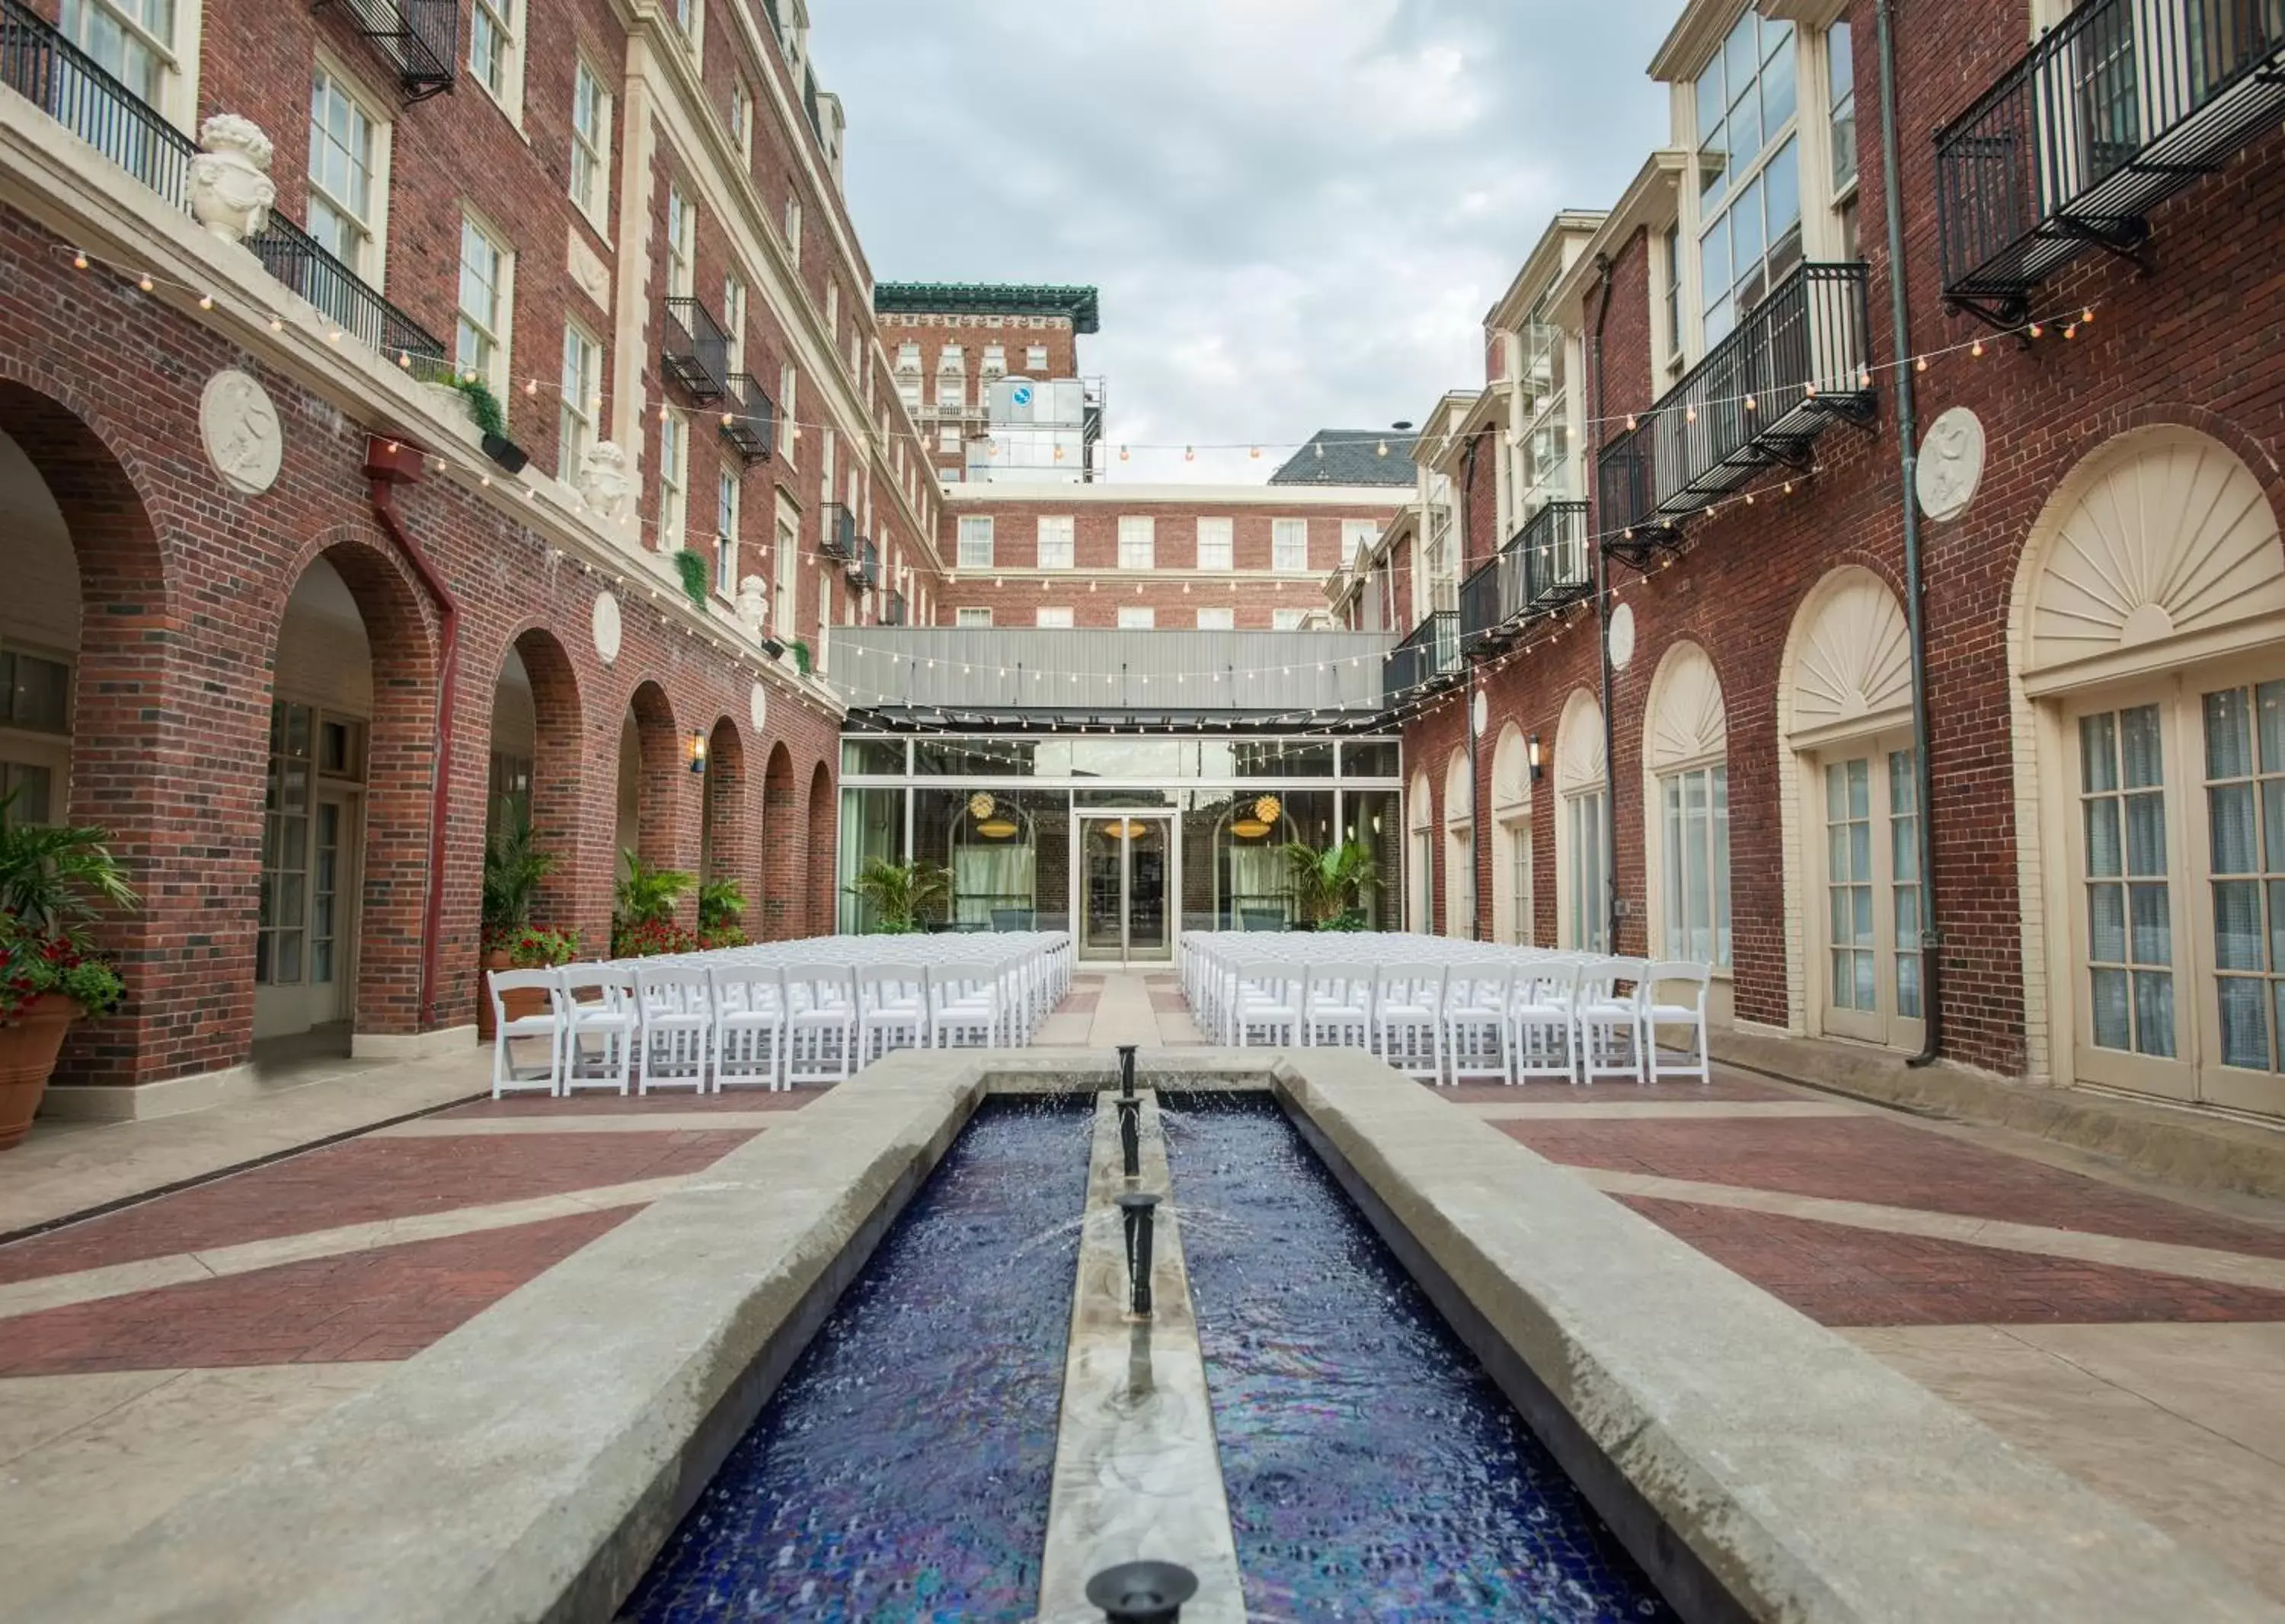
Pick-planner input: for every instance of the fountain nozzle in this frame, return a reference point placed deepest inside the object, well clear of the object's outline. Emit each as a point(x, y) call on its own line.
point(1127, 1070)
point(1143, 1592)
point(1130, 1136)
point(1136, 1207)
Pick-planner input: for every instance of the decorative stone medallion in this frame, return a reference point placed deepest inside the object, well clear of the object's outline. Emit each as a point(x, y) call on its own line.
point(1622, 636)
point(758, 707)
point(605, 625)
point(1950, 464)
point(1480, 713)
point(241, 433)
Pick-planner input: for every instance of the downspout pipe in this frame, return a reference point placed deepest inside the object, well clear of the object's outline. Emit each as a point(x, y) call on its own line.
point(1603, 646)
point(1915, 619)
point(388, 464)
point(1468, 709)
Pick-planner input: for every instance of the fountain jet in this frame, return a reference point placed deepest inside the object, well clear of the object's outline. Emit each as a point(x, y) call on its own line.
point(1130, 1136)
point(1136, 1207)
point(1127, 1070)
point(1143, 1592)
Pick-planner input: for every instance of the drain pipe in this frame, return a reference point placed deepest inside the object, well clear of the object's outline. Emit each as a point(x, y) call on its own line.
point(388, 464)
point(1603, 647)
point(1908, 438)
point(1468, 707)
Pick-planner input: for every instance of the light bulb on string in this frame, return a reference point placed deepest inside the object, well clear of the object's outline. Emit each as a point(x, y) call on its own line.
point(1920, 364)
point(79, 261)
point(1976, 349)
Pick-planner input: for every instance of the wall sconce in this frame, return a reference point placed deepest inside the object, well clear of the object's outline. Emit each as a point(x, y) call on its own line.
point(698, 751)
point(1531, 756)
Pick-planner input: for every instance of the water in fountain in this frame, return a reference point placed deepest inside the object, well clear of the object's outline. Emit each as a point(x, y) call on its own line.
point(1374, 1470)
point(902, 1468)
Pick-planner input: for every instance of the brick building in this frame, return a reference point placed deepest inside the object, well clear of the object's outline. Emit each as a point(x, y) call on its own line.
point(990, 373)
point(1719, 754)
point(290, 623)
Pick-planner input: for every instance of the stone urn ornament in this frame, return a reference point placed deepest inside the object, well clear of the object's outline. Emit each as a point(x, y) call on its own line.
point(230, 191)
point(603, 481)
point(753, 605)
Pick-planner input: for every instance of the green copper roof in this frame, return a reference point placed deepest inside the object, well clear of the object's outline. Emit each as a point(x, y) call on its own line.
point(987, 299)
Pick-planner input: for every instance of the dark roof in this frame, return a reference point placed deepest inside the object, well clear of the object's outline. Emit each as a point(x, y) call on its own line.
point(987, 299)
point(1350, 457)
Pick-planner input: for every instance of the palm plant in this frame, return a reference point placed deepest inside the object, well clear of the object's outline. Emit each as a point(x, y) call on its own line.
point(898, 893)
point(1328, 886)
point(52, 876)
point(646, 895)
point(514, 865)
point(721, 913)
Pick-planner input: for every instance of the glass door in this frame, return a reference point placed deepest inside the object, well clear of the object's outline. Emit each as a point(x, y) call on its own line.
point(1865, 800)
point(1124, 887)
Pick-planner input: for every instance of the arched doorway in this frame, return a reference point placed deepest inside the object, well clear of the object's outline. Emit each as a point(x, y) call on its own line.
point(1685, 789)
point(653, 763)
point(783, 912)
point(1510, 814)
point(534, 773)
point(1459, 847)
point(1582, 853)
point(1851, 827)
point(819, 885)
point(2147, 664)
point(725, 848)
point(1420, 813)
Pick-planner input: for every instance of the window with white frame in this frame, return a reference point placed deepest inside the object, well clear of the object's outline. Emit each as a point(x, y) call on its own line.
point(349, 181)
point(1358, 537)
point(833, 310)
point(1289, 543)
point(673, 479)
point(1137, 547)
point(591, 145)
point(726, 533)
point(1217, 618)
point(1840, 88)
point(908, 358)
point(947, 440)
point(1694, 823)
point(741, 119)
point(976, 541)
point(1137, 617)
point(582, 402)
point(793, 230)
point(1058, 541)
point(824, 619)
point(1670, 266)
point(826, 449)
point(788, 427)
point(995, 361)
point(1215, 550)
point(681, 243)
point(1052, 617)
point(734, 320)
point(132, 40)
point(1287, 619)
point(787, 561)
point(486, 272)
point(1035, 358)
point(967, 616)
point(951, 383)
point(493, 45)
point(1750, 178)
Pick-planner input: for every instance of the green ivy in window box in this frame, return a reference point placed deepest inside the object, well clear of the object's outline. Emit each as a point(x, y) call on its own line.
point(800, 655)
point(691, 565)
point(484, 406)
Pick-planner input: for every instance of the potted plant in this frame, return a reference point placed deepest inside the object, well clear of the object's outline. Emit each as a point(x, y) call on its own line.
point(899, 893)
point(491, 420)
point(514, 865)
point(721, 914)
point(51, 880)
point(1328, 886)
point(643, 922)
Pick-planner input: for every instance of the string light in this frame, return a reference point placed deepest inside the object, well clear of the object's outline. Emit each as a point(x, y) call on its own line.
point(79, 260)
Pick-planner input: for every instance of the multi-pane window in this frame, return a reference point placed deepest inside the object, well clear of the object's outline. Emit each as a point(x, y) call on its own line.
point(1749, 180)
point(1904, 878)
point(788, 429)
point(1358, 537)
point(491, 42)
point(734, 320)
point(951, 387)
point(976, 541)
point(134, 40)
point(590, 140)
point(1057, 541)
point(673, 479)
point(995, 361)
point(681, 243)
point(725, 532)
point(1670, 256)
point(343, 160)
point(1589, 869)
point(741, 119)
point(2130, 947)
point(1289, 543)
point(1215, 544)
point(1048, 617)
point(35, 693)
point(2245, 818)
point(1840, 80)
point(965, 616)
point(1288, 620)
point(1218, 618)
point(787, 563)
point(1695, 821)
point(582, 402)
point(482, 330)
point(1848, 883)
point(793, 230)
point(1136, 617)
point(1035, 358)
point(947, 440)
point(1137, 545)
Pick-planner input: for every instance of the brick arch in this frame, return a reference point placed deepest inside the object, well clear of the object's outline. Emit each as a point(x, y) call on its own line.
point(824, 873)
point(727, 844)
point(784, 851)
point(558, 765)
point(661, 767)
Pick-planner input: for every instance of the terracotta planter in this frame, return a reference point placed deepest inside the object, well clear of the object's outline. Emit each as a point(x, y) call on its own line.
point(523, 1002)
point(29, 1046)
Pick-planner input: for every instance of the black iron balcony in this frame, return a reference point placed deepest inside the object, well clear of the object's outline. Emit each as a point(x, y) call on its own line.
point(892, 609)
point(55, 75)
point(748, 418)
point(419, 38)
point(1425, 661)
point(837, 532)
point(863, 565)
point(694, 350)
point(1758, 400)
point(2123, 104)
point(1541, 569)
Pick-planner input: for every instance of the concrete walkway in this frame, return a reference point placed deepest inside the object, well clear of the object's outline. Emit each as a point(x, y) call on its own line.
point(1108, 1007)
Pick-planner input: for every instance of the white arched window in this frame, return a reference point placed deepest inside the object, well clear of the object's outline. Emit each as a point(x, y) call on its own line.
point(1512, 919)
point(2149, 689)
point(1421, 820)
point(1582, 854)
point(1686, 789)
point(1459, 847)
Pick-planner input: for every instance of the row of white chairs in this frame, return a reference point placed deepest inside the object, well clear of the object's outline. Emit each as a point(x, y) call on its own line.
point(774, 1017)
point(1448, 1013)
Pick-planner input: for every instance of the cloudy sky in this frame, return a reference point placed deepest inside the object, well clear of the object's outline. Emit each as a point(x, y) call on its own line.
point(1298, 210)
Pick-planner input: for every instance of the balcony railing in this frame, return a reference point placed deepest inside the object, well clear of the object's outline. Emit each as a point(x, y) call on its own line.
point(1426, 660)
point(837, 533)
point(694, 350)
point(863, 565)
point(748, 420)
point(1758, 400)
point(1542, 568)
point(419, 38)
point(55, 75)
point(2121, 105)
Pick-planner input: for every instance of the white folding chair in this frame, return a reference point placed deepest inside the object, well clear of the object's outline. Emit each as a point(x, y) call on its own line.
point(677, 1040)
point(891, 1008)
point(820, 1026)
point(1337, 1009)
point(545, 1027)
point(1269, 1002)
point(749, 1025)
point(600, 1010)
point(1542, 1022)
point(963, 1005)
point(1475, 1022)
point(1408, 1018)
point(1613, 994)
point(1698, 980)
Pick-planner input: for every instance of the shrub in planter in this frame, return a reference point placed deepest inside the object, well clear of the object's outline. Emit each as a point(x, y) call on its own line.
point(526, 948)
point(643, 923)
point(514, 865)
point(51, 880)
point(650, 938)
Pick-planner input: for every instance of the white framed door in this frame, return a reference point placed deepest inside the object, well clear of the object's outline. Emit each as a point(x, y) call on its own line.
point(312, 839)
point(1127, 887)
point(1862, 805)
